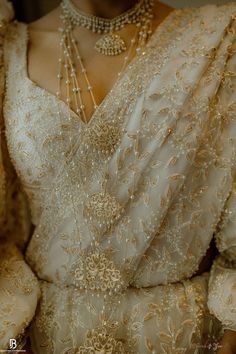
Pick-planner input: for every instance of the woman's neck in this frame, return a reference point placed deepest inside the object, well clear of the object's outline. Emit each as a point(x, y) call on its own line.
point(104, 8)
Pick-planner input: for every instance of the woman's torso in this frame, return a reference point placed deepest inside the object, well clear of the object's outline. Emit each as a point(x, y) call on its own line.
point(154, 90)
point(36, 145)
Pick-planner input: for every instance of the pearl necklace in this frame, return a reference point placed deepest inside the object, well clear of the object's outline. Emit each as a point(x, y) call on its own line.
point(71, 63)
point(111, 43)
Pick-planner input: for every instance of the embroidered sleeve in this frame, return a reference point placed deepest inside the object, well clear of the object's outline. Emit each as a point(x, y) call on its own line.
point(19, 289)
point(222, 281)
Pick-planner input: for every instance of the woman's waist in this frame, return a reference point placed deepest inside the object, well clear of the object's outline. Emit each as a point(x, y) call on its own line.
point(107, 277)
point(143, 310)
point(97, 271)
point(188, 295)
point(70, 287)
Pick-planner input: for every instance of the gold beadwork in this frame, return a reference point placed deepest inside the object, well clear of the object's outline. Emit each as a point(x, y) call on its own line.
point(103, 207)
point(96, 272)
point(100, 341)
point(103, 137)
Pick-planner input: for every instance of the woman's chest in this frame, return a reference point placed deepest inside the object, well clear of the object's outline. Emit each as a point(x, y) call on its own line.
point(36, 135)
point(80, 77)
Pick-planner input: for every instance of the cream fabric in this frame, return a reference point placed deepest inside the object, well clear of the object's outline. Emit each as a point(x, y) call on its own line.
point(163, 143)
point(19, 289)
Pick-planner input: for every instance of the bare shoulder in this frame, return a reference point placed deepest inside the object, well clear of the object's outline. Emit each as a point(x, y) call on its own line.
point(161, 11)
point(43, 33)
point(161, 7)
point(48, 23)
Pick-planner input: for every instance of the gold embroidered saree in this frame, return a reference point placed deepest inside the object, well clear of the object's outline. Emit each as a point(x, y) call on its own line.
point(125, 207)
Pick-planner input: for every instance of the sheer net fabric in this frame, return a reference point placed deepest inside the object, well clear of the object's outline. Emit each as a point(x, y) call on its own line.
point(151, 179)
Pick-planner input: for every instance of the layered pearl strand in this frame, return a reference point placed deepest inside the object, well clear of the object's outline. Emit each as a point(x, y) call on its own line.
point(70, 61)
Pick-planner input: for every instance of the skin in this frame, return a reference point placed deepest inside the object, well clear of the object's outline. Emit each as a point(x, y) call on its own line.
point(44, 40)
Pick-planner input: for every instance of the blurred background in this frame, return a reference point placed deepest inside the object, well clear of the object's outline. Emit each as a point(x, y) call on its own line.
point(30, 10)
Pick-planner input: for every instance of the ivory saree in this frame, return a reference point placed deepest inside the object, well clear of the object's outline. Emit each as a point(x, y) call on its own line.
point(150, 180)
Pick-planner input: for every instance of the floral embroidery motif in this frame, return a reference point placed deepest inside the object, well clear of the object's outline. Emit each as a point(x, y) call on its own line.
point(103, 137)
point(104, 207)
point(13, 270)
point(96, 272)
point(101, 342)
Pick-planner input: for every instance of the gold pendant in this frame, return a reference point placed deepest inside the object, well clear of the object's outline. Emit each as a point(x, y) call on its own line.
point(110, 44)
